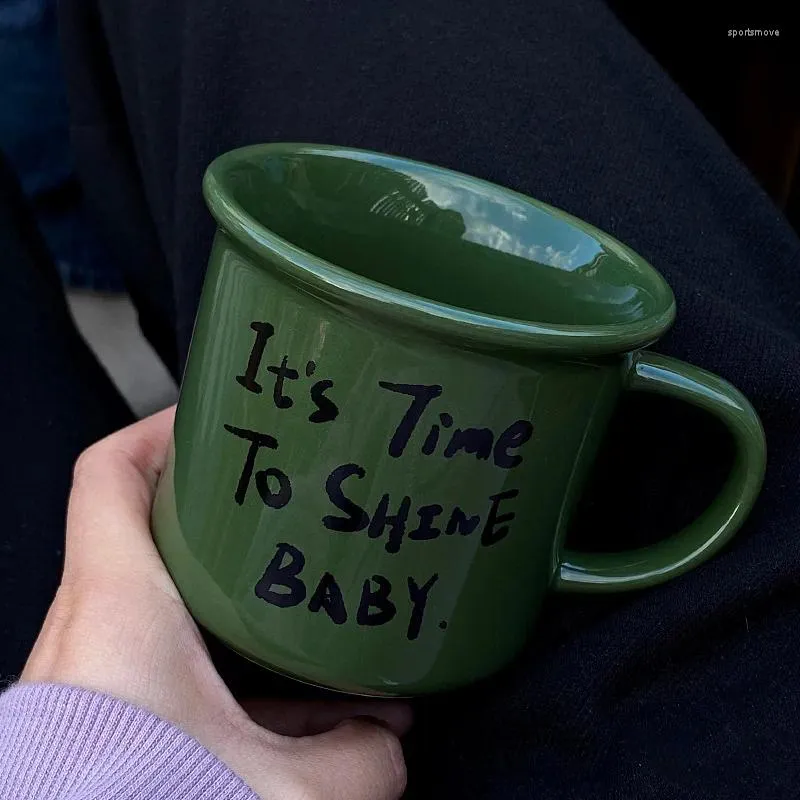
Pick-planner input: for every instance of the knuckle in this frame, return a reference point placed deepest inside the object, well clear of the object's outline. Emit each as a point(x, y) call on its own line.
point(382, 757)
point(84, 463)
point(99, 459)
point(366, 762)
point(395, 760)
point(90, 460)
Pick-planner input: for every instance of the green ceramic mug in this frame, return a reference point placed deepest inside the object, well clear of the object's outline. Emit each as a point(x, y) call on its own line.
point(398, 380)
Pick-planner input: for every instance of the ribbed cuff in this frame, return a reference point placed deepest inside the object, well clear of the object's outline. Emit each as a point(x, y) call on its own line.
point(74, 744)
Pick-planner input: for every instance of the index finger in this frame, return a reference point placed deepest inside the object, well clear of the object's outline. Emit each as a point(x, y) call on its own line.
point(114, 483)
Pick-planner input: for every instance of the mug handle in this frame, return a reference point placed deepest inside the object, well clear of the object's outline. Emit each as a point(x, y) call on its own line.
point(647, 566)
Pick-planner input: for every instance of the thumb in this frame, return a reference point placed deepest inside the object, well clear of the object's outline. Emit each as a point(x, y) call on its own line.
point(357, 760)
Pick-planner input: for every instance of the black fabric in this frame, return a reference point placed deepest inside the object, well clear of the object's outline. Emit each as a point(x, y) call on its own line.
point(55, 401)
point(684, 691)
point(115, 189)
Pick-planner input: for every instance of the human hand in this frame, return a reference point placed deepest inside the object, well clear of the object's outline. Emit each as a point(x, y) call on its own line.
point(118, 625)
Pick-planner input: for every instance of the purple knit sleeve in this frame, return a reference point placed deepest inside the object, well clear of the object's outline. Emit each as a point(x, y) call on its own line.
point(59, 742)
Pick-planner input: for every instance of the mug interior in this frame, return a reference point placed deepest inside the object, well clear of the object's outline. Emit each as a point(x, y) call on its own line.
point(444, 236)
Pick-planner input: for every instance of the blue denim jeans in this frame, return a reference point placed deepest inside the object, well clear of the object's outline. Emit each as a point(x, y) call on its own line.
point(34, 136)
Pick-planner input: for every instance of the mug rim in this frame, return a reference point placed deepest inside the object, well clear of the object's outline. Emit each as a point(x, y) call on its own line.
point(327, 279)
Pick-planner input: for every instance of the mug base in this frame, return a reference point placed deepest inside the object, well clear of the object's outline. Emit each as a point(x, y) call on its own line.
point(306, 681)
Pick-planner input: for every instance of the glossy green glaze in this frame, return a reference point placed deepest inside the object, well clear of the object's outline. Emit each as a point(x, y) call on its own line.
point(317, 523)
point(650, 372)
